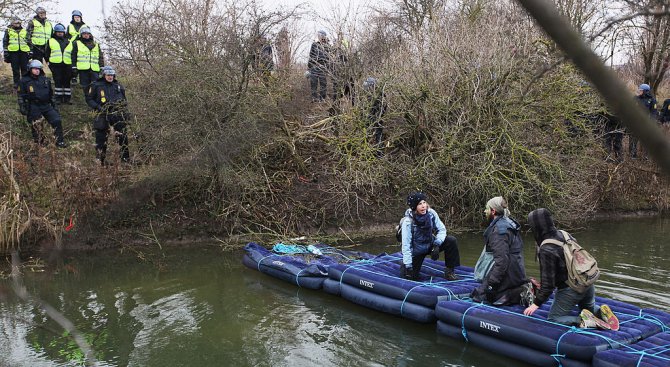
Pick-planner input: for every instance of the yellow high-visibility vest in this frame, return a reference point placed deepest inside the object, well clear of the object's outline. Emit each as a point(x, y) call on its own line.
point(17, 40)
point(41, 32)
point(88, 59)
point(73, 32)
point(57, 55)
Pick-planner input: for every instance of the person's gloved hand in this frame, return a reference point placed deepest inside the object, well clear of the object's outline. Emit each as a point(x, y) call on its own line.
point(490, 293)
point(435, 253)
point(5, 56)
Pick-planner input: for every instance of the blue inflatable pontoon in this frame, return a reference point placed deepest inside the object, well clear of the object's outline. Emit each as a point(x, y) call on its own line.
point(297, 264)
point(507, 331)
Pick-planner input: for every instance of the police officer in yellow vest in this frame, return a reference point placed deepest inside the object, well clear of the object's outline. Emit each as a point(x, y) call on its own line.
point(75, 25)
point(87, 58)
point(15, 49)
point(39, 31)
point(58, 52)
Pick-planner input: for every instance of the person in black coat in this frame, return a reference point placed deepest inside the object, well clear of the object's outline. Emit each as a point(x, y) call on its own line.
point(319, 65)
point(506, 280)
point(36, 100)
point(107, 98)
point(648, 102)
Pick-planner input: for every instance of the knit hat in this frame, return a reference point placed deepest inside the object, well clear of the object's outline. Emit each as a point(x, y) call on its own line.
point(414, 199)
point(499, 204)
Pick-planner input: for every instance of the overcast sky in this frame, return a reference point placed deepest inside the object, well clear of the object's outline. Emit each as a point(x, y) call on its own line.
point(93, 10)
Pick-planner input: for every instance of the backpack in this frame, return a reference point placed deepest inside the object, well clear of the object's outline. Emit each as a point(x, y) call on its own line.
point(398, 229)
point(582, 267)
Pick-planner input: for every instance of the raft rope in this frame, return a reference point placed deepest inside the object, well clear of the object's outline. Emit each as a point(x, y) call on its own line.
point(572, 329)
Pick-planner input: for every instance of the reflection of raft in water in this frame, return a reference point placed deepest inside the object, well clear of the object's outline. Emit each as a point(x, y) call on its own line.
point(373, 281)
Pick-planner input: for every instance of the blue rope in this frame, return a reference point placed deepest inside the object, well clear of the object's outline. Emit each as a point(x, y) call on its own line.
point(557, 358)
point(297, 279)
point(450, 293)
point(261, 260)
point(464, 332)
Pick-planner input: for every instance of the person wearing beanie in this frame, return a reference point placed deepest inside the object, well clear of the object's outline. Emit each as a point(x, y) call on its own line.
point(554, 276)
point(424, 233)
point(319, 64)
point(506, 280)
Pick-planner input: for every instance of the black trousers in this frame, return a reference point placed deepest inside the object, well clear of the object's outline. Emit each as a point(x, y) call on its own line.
point(52, 116)
point(19, 62)
point(86, 77)
point(61, 75)
point(38, 53)
point(101, 135)
point(452, 257)
point(614, 144)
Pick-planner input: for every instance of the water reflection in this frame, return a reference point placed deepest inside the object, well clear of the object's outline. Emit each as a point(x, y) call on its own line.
point(208, 310)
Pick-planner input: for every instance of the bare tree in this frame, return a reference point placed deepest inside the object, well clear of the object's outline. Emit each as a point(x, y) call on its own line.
point(648, 31)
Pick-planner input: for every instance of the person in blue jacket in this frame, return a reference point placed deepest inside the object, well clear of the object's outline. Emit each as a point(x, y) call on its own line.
point(424, 233)
point(505, 283)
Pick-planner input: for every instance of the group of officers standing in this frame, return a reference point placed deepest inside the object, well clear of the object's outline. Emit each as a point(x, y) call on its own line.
point(70, 52)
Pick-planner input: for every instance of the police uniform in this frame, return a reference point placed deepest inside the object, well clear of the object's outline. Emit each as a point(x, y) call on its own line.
point(39, 31)
point(15, 45)
point(36, 100)
point(58, 52)
point(109, 101)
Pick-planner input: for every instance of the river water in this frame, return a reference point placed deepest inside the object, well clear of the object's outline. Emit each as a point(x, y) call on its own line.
point(201, 307)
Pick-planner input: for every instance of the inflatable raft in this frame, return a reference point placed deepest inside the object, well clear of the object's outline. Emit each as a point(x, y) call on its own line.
point(651, 352)
point(375, 283)
point(505, 330)
point(298, 265)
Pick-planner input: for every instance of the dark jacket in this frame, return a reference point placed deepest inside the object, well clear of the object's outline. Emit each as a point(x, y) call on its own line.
point(503, 239)
point(319, 57)
point(90, 43)
point(103, 94)
point(649, 103)
point(553, 271)
point(35, 90)
point(665, 111)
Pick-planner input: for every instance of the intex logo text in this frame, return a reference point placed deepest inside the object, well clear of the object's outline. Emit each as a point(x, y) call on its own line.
point(486, 325)
point(277, 262)
point(366, 283)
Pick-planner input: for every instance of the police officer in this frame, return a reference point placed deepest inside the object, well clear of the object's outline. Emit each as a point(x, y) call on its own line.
point(87, 58)
point(36, 100)
point(75, 25)
point(38, 33)
point(16, 49)
point(58, 53)
point(648, 102)
point(108, 98)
